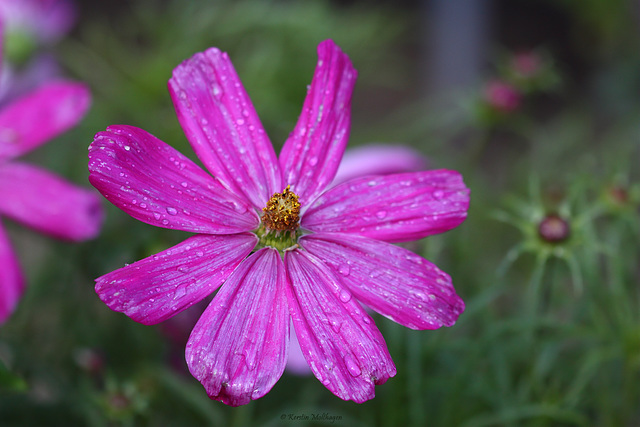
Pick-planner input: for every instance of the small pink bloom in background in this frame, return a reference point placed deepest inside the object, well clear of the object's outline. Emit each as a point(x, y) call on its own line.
point(33, 196)
point(526, 64)
point(502, 96)
point(30, 27)
point(282, 246)
point(45, 21)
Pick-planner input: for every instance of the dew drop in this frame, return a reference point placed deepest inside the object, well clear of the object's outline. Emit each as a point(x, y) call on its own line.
point(126, 147)
point(200, 253)
point(438, 194)
point(313, 161)
point(421, 296)
point(156, 215)
point(345, 295)
point(352, 365)
point(381, 214)
point(172, 211)
point(180, 292)
point(344, 269)
point(240, 122)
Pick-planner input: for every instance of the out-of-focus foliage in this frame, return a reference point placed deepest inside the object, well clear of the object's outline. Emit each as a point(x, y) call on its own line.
point(551, 332)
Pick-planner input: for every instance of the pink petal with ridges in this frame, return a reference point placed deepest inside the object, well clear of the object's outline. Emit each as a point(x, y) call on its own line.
point(238, 348)
point(339, 340)
point(221, 123)
point(394, 208)
point(389, 279)
point(11, 279)
point(41, 115)
point(161, 286)
point(312, 153)
point(156, 184)
point(48, 203)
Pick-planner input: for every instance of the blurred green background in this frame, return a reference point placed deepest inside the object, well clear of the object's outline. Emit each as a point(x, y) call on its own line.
point(551, 333)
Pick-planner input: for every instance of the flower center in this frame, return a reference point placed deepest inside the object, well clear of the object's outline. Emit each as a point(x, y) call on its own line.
point(282, 211)
point(280, 221)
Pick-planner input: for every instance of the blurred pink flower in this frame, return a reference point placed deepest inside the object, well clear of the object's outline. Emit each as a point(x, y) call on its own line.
point(526, 64)
point(45, 21)
point(378, 159)
point(280, 248)
point(502, 96)
point(35, 197)
point(30, 26)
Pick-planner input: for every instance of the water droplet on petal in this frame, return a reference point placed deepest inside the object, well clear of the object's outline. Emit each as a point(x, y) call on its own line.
point(344, 269)
point(352, 365)
point(180, 292)
point(381, 214)
point(345, 295)
point(172, 211)
point(156, 215)
point(438, 194)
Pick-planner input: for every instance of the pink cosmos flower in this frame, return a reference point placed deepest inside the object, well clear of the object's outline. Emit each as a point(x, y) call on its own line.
point(502, 96)
point(29, 26)
point(277, 245)
point(44, 21)
point(33, 196)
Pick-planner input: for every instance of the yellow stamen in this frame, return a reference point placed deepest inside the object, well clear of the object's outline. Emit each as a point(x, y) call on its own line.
point(282, 211)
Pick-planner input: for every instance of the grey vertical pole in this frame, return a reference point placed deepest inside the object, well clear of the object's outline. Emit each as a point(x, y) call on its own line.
point(455, 34)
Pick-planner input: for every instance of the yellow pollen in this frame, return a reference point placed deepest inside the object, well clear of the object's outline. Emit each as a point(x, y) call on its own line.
point(282, 211)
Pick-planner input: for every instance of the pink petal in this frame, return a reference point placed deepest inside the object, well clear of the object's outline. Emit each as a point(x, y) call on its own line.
point(48, 203)
point(394, 208)
point(238, 348)
point(312, 153)
point(41, 115)
point(340, 341)
point(154, 183)
point(11, 279)
point(378, 159)
point(220, 122)
point(391, 280)
point(161, 286)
